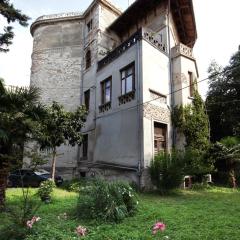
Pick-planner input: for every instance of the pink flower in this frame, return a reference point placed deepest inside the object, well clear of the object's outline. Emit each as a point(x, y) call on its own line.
point(158, 226)
point(81, 231)
point(29, 224)
point(32, 221)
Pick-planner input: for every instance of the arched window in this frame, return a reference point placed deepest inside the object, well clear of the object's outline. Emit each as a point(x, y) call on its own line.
point(88, 59)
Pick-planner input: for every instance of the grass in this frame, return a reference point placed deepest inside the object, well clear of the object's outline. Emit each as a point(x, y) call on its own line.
point(190, 215)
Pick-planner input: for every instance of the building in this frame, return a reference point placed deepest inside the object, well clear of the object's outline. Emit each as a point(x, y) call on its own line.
point(123, 67)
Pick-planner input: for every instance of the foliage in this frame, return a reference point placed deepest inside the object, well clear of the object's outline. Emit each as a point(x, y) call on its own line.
point(223, 99)
point(74, 185)
point(19, 215)
point(109, 201)
point(184, 215)
point(20, 113)
point(45, 190)
point(192, 121)
point(166, 171)
point(227, 156)
point(60, 127)
point(11, 14)
point(198, 163)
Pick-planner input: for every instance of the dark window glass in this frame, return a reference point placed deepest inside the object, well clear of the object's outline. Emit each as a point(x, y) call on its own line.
point(88, 59)
point(191, 84)
point(87, 99)
point(85, 146)
point(89, 25)
point(106, 91)
point(127, 79)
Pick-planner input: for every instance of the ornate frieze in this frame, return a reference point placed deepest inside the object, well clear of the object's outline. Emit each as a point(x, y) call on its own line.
point(183, 50)
point(152, 111)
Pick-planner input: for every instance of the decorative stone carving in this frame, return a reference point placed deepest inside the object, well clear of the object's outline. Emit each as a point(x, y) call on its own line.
point(183, 50)
point(151, 111)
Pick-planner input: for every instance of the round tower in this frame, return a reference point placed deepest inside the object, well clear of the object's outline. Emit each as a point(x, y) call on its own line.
point(57, 58)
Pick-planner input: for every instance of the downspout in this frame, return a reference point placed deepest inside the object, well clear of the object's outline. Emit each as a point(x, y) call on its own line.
point(140, 128)
point(170, 70)
point(81, 85)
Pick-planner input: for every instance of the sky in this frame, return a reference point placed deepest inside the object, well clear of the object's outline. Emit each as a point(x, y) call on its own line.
point(217, 26)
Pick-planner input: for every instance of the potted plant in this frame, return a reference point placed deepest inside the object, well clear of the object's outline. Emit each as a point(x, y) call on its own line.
point(45, 190)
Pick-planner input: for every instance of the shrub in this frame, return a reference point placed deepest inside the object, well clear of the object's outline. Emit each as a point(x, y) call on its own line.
point(74, 185)
point(45, 190)
point(166, 171)
point(109, 201)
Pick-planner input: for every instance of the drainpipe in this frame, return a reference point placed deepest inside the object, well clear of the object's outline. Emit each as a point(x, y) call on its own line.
point(140, 126)
point(170, 70)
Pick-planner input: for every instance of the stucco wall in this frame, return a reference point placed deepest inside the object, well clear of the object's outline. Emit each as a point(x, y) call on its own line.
point(155, 77)
point(117, 139)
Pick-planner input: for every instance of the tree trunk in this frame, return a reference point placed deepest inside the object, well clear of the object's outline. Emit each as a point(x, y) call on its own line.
point(54, 158)
point(233, 178)
point(3, 186)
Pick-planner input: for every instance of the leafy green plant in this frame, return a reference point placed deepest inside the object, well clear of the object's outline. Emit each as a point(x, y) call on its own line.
point(109, 201)
point(166, 171)
point(227, 156)
point(45, 190)
point(74, 185)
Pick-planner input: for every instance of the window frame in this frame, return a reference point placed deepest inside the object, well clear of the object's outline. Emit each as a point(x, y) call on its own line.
point(103, 90)
point(125, 69)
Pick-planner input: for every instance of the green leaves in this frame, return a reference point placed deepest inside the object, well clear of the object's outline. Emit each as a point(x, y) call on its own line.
point(11, 14)
point(192, 121)
point(223, 99)
point(60, 127)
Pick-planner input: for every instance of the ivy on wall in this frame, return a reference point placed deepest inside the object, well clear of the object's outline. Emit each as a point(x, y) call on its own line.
point(192, 121)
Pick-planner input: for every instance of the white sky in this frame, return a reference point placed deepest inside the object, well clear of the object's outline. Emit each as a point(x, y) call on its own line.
point(217, 25)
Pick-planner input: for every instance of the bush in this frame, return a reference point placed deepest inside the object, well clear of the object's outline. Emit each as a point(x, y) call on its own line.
point(74, 185)
point(166, 171)
point(109, 201)
point(45, 190)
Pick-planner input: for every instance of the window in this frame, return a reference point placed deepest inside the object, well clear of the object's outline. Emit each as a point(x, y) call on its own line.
point(87, 99)
point(106, 90)
point(89, 25)
point(85, 146)
point(88, 59)
point(160, 137)
point(127, 79)
point(191, 84)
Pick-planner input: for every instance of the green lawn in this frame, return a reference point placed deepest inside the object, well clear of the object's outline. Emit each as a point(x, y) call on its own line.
point(212, 214)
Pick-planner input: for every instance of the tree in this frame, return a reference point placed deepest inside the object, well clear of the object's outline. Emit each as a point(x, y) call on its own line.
point(223, 99)
point(192, 121)
point(60, 127)
point(11, 14)
point(19, 115)
point(227, 154)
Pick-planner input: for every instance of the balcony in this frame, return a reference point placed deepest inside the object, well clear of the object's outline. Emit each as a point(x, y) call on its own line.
point(182, 50)
point(126, 97)
point(139, 35)
point(104, 107)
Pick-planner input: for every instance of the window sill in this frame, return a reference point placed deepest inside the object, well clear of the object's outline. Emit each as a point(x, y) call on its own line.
point(105, 107)
point(126, 97)
point(191, 98)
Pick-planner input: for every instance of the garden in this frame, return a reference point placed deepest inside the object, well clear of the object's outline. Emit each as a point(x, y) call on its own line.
point(212, 213)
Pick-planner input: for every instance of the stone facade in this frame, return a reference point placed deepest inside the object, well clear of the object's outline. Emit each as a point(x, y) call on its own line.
point(144, 57)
